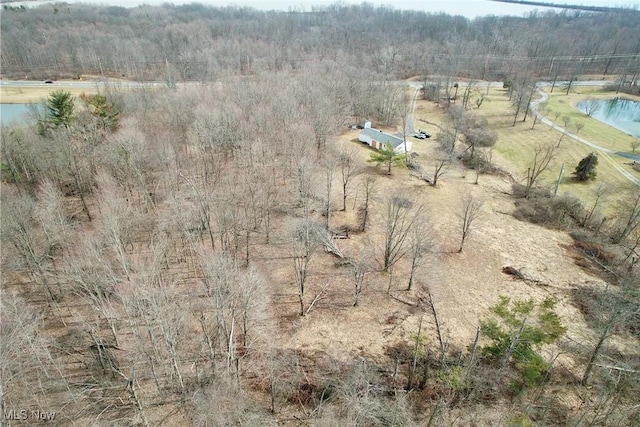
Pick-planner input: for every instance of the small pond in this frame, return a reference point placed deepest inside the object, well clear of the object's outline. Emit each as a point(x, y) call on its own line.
point(622, 114)
point(15, 114)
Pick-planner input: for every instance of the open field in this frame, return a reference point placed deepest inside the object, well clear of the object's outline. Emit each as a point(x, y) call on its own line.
point(464, 285)
point(499, 241)
point(515, 145)
point(29, 95)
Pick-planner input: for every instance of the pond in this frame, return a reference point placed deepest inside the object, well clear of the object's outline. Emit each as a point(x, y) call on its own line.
point(14, 114)
point(622, 114)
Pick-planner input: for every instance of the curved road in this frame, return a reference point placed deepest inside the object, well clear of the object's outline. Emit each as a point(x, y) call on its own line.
point(603, 152)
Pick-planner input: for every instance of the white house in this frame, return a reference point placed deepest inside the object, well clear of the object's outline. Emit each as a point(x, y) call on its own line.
point(378, 139)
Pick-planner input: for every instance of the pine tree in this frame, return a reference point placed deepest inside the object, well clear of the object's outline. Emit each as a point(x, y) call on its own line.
point(387, 155)
point(107, 112)
point(60, 111)
point(586, 169)
point(60, 108)
point(517, 332)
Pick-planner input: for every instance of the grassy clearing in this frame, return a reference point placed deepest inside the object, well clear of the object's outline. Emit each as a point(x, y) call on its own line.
point(30, 95)
point(515, 147)
point(595, 131)
point(560, 105)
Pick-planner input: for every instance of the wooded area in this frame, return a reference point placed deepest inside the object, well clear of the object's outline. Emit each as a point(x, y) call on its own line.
point(200, 43)
point(222, 253)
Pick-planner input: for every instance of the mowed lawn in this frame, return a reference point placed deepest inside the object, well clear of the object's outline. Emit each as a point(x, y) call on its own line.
point(516, 144)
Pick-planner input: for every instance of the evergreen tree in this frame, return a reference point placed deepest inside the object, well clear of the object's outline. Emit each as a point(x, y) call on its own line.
point(101, 108)
point(60, 111)
point(586, 169)
point(60, 108)
point(517, 332)
point(388, 156)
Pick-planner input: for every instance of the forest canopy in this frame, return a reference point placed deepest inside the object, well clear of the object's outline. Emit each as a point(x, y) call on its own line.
point(198, 42)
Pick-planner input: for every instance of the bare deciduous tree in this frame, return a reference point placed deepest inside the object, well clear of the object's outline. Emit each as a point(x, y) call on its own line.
point(305, 237)
point(420, 242)
point(616, 306)
point(368, 186)
point(329, 170)
point(478, 134)
point(362, 403)
point(133, 163)
point(566, 121)
point(93, 276)
point(25, 360)
point(348, 170)
point(599, 194)
point(542, 156)
point(629, 218)
point(51, 216)
point(457, 118)
point(225, 403)
point(405, 109)
point(439, 169)
point(116, 222)
point(541, 111)
point(359, 267)
point(307, 189)
point(470, 211)
point(447, 141)
point(523, 91)
point(20, 230)
point(399, 219)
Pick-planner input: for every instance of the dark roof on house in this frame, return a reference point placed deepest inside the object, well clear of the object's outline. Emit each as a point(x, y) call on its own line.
point(382, 137)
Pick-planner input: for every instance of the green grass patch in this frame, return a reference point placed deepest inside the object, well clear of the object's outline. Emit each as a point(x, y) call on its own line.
point(516, 144)
point(561, 105)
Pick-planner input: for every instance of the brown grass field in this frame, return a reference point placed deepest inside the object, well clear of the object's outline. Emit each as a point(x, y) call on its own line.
point(28, 95)
point(463, 285)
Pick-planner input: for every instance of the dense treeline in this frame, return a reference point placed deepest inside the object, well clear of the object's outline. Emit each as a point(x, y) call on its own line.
point(196, 42)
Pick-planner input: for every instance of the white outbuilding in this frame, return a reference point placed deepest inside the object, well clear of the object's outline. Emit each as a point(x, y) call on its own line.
point(377, 139)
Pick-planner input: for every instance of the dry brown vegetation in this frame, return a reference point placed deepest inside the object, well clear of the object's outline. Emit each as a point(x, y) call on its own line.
point(226, 254)
point(177, 302)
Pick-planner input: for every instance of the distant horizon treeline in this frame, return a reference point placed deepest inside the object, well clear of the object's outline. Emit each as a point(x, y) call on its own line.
point(202, 43)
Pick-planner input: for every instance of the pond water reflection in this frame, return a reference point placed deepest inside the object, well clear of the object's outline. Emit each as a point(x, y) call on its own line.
point(623, 114)
point(15, 114)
